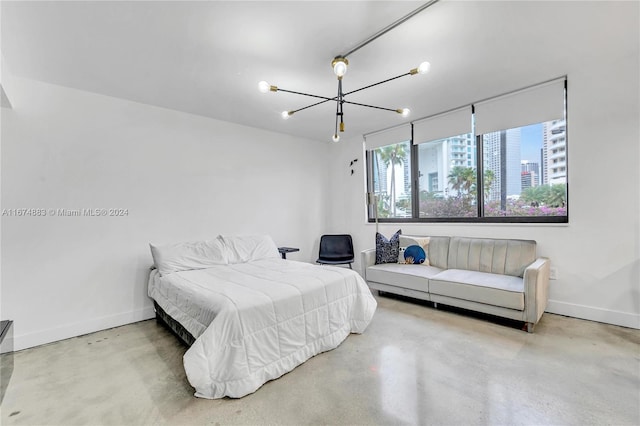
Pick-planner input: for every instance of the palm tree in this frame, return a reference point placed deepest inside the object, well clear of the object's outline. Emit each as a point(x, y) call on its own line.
point(489, 177)
point(557, 196)
point(462, 179)
point(392, 156)
point(551, 196)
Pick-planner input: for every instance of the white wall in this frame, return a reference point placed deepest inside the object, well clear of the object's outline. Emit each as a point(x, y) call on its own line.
point(597, 254)
point(180, 176)
point(185, 177)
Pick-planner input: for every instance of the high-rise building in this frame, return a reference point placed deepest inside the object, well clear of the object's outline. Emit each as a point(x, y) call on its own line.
point(534, 172)
point(543, 161)
point(379, 176)
point(502, 157)
point(461, 151)
point(528, 179)
point(406, 169)
point(555, 152)
point(438, 158)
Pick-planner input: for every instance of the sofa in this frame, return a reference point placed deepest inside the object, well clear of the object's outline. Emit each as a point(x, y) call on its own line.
point(500, 277)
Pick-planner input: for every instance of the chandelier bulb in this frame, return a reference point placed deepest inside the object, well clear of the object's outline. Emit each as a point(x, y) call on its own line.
point(286, 114)
point(424, 68)
point(335, 137)
point(263, 86)
point(404, 112)
point(339, 65)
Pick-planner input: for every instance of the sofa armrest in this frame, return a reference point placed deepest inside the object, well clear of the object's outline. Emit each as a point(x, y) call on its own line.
point(536, 289)
point(368, 258)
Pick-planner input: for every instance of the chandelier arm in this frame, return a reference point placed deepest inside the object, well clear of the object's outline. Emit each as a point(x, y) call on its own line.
point(375, 84)
point(307, 94)
point(370, 106)
point(312, 105)
point(337, 114)
point(346, 102)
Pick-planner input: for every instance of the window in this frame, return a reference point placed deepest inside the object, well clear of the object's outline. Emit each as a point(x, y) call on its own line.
point(391, 179)
point(516, 183)
point(502, 168)
point(453, 194)
point(389, 174)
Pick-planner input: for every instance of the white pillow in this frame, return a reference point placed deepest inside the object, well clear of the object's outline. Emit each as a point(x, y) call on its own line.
point(241, 249)
point(187, 256)
point(407, 240)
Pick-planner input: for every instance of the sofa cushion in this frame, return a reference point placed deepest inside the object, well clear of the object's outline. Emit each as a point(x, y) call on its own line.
point(509, 257)
point(414, 277)
point(493, 289)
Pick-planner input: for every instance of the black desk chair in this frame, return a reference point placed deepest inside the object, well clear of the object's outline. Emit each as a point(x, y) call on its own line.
point(336, 250)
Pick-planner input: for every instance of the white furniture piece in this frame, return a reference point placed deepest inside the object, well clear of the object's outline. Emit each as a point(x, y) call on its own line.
point(250, 316)
point(500, 277)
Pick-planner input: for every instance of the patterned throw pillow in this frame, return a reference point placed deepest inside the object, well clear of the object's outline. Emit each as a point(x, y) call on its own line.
point(414, 255)
point(387, 250)
point(424, 243)
point(409, 241)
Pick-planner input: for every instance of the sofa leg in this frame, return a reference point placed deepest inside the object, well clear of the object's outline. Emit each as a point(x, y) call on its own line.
point(435, 305)
point(529, 326)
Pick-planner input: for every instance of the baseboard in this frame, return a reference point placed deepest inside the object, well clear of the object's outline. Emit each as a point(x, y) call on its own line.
point(24, 341)
point(591, 313)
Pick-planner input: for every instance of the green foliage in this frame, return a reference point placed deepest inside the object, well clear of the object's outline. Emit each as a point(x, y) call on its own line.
point(462, 179)
point(404, 204)
point(489, 177)
point(535, 201)
point(550, 196)
point(383, 205)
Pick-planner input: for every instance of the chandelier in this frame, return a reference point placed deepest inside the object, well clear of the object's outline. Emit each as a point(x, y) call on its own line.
point(339, 65)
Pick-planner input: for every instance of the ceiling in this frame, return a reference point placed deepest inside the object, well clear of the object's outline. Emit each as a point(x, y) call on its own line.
point(206, 57)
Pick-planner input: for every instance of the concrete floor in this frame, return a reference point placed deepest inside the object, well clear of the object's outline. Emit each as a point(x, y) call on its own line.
point(413, 365)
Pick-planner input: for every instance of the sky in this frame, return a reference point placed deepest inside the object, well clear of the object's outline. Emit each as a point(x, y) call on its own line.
point(531, 142)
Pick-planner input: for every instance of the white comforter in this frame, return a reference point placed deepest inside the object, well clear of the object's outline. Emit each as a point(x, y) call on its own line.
point(255, 321)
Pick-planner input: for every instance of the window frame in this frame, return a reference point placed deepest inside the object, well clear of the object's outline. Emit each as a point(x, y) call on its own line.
point(480, 195)
point(371, 183)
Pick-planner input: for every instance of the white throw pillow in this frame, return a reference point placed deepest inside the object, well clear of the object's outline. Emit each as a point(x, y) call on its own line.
point(187, 256)
point(408, 240)
point(241, 249)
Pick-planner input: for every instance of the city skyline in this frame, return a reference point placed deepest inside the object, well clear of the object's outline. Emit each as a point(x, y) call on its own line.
point(522, 145)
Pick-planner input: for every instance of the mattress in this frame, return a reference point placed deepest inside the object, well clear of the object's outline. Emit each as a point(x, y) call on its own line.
point(255, 321)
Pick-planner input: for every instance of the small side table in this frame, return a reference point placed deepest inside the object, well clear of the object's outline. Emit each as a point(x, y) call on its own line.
point(284, 250)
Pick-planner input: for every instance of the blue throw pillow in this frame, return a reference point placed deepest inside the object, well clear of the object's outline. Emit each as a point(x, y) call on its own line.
point(414, 255)
point(387, 250)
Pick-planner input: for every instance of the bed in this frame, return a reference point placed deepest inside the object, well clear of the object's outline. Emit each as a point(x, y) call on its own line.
point(250, 315)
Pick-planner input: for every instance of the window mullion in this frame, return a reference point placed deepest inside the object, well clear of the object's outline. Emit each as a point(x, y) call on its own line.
point(415, 178)
point(480, 175)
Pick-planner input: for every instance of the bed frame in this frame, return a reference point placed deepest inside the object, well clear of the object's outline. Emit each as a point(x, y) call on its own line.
point(173, 325)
